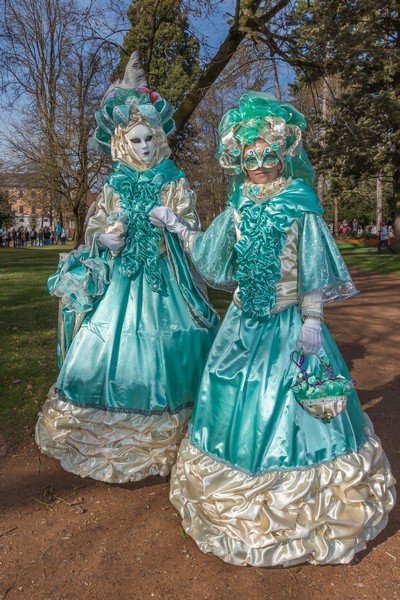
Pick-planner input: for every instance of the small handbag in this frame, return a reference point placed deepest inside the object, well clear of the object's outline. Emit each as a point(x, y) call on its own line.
point(321, 393)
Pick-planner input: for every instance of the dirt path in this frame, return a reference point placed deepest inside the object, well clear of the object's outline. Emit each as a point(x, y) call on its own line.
point(102, 542)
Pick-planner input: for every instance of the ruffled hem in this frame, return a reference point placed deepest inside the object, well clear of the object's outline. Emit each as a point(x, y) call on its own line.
point(321, 515)
point(109, 446)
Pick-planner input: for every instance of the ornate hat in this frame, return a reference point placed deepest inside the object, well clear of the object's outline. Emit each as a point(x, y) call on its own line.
point(261, 115)
point(127, 100)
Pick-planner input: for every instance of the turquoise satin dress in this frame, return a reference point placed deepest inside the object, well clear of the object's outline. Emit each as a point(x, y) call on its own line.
point(137, 351)
point(245, 412)
point(143, 311)
point(135, 334)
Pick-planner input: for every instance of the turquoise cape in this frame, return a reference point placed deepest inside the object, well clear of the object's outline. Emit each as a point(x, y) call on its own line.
point(254, 260)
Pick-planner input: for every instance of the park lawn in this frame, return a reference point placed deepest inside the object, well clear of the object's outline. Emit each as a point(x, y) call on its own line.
point(28, 325)
point(365, 256)
point(28, 321)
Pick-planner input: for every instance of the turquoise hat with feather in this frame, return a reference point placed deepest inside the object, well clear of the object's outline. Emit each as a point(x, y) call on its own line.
point(125, 100)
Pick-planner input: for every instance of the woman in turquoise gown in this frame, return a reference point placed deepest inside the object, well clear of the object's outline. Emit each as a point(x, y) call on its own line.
point(135, 330)
point(259, 480)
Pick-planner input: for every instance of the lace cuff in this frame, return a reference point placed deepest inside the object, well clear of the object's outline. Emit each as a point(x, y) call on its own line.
point(311, 305)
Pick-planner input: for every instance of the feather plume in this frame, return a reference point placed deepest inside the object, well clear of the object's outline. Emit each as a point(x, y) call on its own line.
point(133, 78)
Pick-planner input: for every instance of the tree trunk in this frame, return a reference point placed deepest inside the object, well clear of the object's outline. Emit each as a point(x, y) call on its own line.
point(321, 186)
point(246, 21)
point(276, 78)
point(335, 218)
point(324, 115)
point(79, 214)
point(379, 201)
point(396, 145)
point(396, 198)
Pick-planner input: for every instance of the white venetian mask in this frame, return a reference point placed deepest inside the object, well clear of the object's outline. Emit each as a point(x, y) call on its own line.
point(142, 141)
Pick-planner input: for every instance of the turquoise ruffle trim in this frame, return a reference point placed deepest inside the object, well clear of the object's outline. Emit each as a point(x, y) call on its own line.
point(258, 257)
point(139, 193)
point(80, 280)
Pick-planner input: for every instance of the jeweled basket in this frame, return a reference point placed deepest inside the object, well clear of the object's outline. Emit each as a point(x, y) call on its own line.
point(321, 393)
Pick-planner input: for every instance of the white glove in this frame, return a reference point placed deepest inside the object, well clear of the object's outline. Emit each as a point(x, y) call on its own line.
point(161, 216)
point(310, 338)
point(112, 241)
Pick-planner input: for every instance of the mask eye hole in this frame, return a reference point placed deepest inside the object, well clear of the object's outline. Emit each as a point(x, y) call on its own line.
point(270, 160)
point(250, 162)
point(135, 140)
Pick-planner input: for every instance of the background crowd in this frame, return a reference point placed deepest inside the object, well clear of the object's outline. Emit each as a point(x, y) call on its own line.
point(355, 229)
point(21, 237)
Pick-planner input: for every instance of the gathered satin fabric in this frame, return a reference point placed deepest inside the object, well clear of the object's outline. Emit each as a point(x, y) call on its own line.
point(110, 446)
point(323, 514)
point(259, 480)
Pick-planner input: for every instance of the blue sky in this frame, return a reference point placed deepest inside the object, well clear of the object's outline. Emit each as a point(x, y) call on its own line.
point(211, 29)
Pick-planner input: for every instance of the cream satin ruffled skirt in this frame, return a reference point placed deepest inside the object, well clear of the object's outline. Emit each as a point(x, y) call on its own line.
point(109, 446)
point(322, 514)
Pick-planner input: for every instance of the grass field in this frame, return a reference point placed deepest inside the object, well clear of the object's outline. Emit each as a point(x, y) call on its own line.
point(28, 320)
point(364, 256)
point(28, 323)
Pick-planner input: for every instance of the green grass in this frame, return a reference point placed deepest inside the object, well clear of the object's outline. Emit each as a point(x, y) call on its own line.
point(363, 256)
point(28, 324)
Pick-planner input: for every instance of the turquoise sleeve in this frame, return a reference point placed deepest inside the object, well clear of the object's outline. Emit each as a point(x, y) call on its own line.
point(80, 279)
point(321, 266)
point(213, 253)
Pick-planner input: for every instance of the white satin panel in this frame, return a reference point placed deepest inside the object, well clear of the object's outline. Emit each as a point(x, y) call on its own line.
point(286, 287)
point(321, 515)
point(109, 446)
point(179, 196)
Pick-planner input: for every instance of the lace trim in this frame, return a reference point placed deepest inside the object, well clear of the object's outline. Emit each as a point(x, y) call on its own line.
point(334, 294)
point(312, 313)
point(135, 411)
point(260, 192)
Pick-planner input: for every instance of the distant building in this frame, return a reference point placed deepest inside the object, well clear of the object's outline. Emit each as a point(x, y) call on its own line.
point(27, 200)
point(33, 205)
